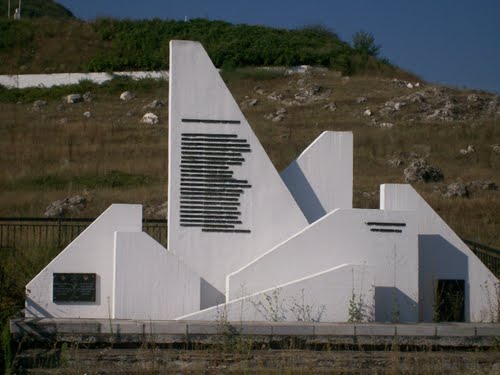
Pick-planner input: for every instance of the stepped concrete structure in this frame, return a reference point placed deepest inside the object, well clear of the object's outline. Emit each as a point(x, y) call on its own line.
point(246, 243)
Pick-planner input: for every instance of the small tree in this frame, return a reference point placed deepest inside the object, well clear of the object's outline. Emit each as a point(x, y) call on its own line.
point(364, 42)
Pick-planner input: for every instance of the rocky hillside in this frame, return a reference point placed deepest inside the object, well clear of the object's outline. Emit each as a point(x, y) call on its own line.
point(75, 156)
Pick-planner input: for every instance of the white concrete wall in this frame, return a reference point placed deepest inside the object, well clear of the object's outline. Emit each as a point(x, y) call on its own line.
point(320, 297)
point(90, 252)
point(267, 208)
point(443, 255)
point(22, 81)
point(150, 282)
point(320, 179)
point(342, 236)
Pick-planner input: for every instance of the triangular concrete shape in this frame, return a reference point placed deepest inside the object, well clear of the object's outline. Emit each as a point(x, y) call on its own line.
point(227, 203)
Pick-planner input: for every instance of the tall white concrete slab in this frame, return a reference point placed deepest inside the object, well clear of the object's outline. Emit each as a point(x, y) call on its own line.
point(322, 297)
point(91, 252)
point(150, 283)
point(443, 255)
point(227, 203)
point(384, 240)
point(320, 179)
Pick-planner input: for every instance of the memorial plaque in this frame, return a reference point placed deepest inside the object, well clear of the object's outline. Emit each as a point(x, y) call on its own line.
point(74, 287)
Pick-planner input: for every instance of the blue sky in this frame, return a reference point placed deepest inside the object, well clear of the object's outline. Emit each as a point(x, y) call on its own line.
point(455, 42)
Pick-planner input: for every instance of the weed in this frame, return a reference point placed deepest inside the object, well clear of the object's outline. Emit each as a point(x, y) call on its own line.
point(304, 312)
point(273, 310)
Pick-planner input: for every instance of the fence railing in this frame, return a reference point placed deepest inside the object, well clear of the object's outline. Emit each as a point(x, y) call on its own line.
point(488, 255)
point(48, 232)
point(36, 232)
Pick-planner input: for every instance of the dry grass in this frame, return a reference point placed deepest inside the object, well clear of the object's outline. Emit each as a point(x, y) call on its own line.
point(72, 152)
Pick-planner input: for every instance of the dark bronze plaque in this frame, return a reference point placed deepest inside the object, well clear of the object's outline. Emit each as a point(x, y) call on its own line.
point(73, 287)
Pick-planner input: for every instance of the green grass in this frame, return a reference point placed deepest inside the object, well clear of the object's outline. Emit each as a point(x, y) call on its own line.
point(113, 179)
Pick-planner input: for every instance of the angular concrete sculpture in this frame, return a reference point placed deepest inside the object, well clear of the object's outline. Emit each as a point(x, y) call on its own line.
point(224, 196)
point(245, 243)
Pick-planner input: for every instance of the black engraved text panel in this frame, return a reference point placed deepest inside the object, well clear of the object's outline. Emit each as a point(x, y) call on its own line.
point(74, 287)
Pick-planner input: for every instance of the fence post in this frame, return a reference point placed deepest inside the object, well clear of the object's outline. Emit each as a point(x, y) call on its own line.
point(59, 233)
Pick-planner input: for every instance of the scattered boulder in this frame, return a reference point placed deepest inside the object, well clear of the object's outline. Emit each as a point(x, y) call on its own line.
point(420, 170)
point(249, 103)
point(312, 93)
point(150, 119)
point(61, 208)
point(469, 150)
point(367, 113)
point(275, 96)
point(73, 98)
point(39, 104)
point(456, 189)
point(87, 114)
point(386, 125)
point(127, 95)
point(496, 148)
point(481, 185)
point(330, 106)
point(396, 162)
point(154, 104)
point(276, 116)
point(87, 97)
point(361, 100)
point(409, 85)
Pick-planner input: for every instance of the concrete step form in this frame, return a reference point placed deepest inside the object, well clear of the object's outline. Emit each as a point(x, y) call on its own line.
point(102, 331)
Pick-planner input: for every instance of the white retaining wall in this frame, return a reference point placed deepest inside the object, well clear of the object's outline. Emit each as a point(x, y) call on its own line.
point(22, 81)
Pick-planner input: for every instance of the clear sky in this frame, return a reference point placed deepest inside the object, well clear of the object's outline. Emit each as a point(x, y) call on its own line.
point(455, 42)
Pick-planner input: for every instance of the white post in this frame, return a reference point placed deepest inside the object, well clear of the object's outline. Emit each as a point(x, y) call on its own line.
point(8, 9)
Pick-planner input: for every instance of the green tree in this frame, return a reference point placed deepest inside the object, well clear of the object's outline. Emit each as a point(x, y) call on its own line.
point(364, 43)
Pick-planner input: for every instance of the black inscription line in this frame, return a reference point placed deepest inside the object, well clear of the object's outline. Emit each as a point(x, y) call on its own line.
point(205, 148)
point(209, 121)
point(226, 230)
point(385, 224)
point(209, 135)
point(386, 230)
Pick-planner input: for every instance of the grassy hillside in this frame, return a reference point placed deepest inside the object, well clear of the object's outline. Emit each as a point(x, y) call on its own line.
point(55, 152)
point(45, 46)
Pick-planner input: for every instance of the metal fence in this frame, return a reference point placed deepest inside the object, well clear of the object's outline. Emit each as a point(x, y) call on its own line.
point(37, 232)
point(34, 232)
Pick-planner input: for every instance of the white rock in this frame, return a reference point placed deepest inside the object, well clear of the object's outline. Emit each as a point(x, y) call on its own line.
point(386, 125)
point(463, 151)
point(409, 85)
point(150, 119)
point(471, 149)
point(73, 98)
point(417, 84)
point(87, 114)
point(127, 95)
point(367, 113)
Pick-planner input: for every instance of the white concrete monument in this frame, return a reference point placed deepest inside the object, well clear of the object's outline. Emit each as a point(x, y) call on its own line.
point(245, 243)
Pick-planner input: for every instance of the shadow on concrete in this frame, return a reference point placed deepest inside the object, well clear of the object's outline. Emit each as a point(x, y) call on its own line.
point(439, 260)
point(209, 295)
point(392, 305)
point(303, 193)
